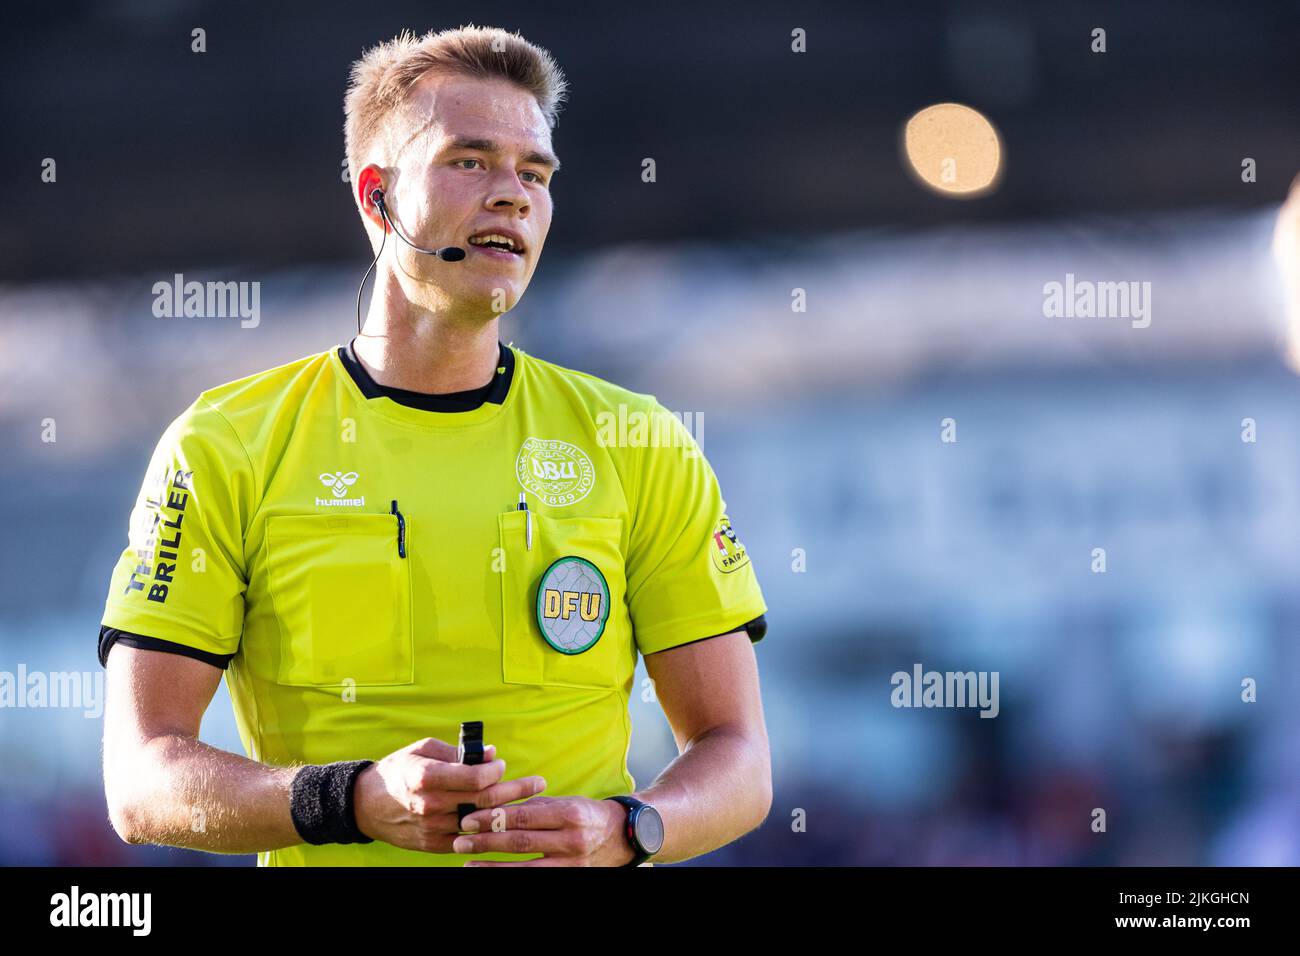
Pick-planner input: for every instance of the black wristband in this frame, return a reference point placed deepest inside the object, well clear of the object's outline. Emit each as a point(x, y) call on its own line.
point(322, 805)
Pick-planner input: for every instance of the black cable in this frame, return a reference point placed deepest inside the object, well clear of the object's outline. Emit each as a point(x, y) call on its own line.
point(367, 276)
point(446, 253)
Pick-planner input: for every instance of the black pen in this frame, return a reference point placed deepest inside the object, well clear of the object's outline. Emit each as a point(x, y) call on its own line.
point(401, 531)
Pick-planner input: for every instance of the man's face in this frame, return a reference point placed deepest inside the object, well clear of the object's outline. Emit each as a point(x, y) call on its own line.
point(471, 159)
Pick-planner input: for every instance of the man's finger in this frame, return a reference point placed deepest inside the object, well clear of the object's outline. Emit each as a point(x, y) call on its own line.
point(540, 861)
point(437, 749)
point(508, 791)
point(435, 842)
point(440, 775)
point(540, 813)
point(551, 842)
point(433, 748)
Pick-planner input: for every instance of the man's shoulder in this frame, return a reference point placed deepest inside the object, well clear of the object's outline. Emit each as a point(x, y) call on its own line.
point(262, 389)
point(242, 407)
point(597, 393)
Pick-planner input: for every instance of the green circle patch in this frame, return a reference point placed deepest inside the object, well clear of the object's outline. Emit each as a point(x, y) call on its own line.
point(572, 604)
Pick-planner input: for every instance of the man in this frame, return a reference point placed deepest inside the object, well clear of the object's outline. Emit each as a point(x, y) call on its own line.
point(425, 527)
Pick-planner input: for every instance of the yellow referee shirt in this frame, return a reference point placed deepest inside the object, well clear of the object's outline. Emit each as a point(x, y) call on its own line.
point(357, 557)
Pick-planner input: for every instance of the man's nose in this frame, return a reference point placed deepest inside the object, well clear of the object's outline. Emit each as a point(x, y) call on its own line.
point(507, 190)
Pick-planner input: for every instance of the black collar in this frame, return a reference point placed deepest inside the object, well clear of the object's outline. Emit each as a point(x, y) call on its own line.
point(493, 392)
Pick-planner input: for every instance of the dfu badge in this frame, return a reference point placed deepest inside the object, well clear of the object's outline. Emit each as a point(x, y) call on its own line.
point(572, 604)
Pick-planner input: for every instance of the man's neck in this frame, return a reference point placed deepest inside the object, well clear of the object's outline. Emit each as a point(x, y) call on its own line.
point(423, 352)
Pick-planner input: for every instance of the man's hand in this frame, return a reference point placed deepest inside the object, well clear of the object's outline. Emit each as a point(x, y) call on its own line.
point(409, 798)
point(569, 831)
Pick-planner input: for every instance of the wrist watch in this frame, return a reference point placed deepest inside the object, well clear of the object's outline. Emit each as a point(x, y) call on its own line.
point(644, 829)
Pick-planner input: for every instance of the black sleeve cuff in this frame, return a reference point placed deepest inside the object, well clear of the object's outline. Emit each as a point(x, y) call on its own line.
point(755, 629)
point(108, 636)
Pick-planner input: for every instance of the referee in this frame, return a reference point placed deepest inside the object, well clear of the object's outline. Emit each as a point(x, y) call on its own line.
point(425, 527)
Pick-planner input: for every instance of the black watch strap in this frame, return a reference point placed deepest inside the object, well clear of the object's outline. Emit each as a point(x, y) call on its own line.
point(639, 854)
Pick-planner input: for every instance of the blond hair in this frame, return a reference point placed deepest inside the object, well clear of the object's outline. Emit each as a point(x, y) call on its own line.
point(384, 75)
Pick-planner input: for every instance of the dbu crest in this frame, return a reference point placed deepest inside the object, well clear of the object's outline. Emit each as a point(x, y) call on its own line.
point(557, 472)
point(550, 471)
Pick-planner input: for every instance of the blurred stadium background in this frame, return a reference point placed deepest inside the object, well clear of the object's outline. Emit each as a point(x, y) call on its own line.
point(776, 171)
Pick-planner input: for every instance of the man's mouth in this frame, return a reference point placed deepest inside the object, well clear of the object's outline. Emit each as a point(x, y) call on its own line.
point(499, 245)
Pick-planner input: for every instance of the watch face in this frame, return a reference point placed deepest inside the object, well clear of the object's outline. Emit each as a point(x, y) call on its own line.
point(650, 830)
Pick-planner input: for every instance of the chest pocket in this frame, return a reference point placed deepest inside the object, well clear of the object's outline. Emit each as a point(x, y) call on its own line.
point(580, 560)
point(342, 595)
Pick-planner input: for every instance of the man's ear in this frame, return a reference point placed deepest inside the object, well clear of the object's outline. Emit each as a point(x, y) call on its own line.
point(368, 180)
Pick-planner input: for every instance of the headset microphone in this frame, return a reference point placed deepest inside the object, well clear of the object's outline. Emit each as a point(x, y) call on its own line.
point(446, 253)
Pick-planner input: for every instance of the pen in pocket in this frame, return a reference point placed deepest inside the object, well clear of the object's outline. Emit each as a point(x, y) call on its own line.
point(401, 531)
point(528, 521)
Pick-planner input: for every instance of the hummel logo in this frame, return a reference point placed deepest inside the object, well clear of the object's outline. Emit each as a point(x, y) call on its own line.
point(338, 483)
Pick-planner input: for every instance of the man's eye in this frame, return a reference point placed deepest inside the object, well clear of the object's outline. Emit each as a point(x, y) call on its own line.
point(537, 177)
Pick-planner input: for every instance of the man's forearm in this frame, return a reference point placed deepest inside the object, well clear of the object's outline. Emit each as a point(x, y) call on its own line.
point(716, 791)
point(175, 790)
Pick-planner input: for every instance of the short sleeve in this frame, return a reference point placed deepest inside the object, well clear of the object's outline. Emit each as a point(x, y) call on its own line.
point(688, 574)
point(181, 578)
